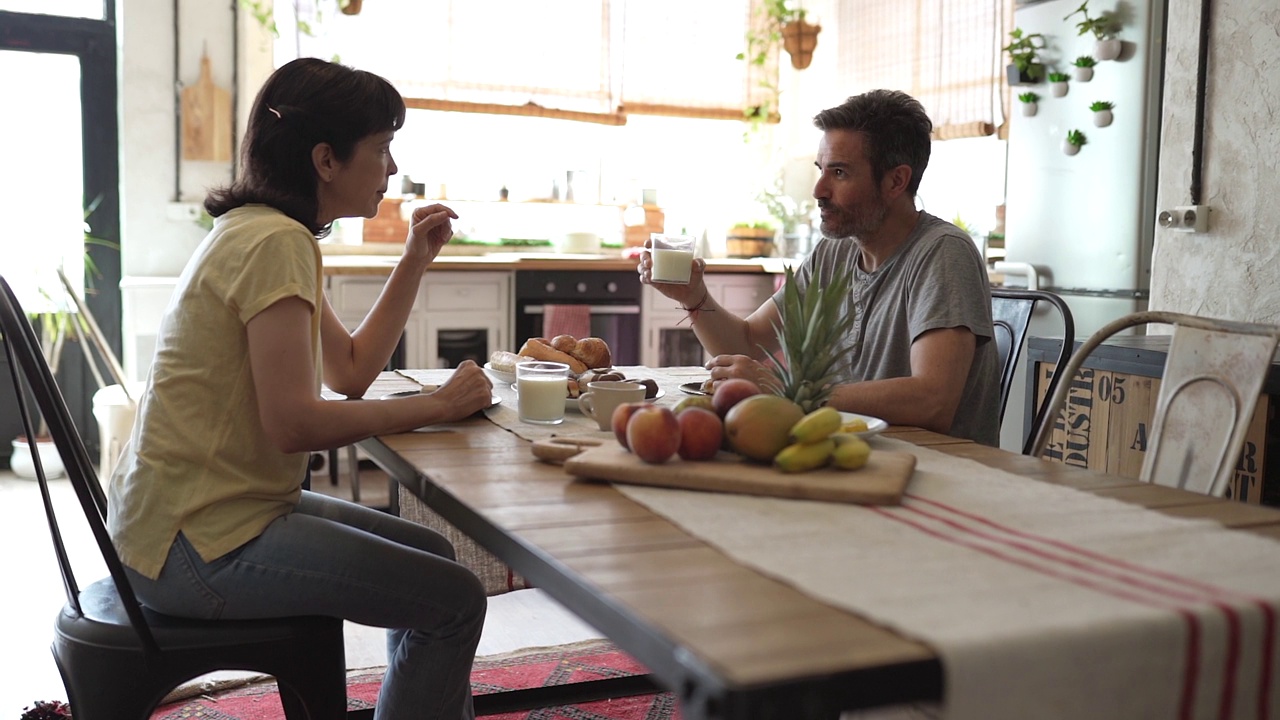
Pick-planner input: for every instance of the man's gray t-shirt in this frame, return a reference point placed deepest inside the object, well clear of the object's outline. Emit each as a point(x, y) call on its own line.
point(935, 280)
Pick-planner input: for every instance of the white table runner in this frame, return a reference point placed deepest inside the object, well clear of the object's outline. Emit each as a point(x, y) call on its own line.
point(1043, 602)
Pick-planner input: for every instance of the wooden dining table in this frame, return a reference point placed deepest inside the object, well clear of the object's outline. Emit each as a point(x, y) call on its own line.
point(729, 641)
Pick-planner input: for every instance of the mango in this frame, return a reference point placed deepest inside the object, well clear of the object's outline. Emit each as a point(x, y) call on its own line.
point(759, 426)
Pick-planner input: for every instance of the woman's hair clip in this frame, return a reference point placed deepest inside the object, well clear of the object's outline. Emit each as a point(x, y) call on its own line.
point(275, 112)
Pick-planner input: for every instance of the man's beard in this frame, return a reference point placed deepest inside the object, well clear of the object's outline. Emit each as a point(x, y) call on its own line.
point(856, 223)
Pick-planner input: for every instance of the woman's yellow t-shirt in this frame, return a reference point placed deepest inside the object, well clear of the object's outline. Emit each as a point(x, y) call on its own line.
point(198, 461)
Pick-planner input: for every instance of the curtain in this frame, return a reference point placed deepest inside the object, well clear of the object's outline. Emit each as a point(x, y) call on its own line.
point(946, 54)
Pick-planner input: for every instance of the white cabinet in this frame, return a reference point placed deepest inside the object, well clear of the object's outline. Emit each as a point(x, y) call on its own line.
point(456, 315)
point(668, 339)
point(465, 315)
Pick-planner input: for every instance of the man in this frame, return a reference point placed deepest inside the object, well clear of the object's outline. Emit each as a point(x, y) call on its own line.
point(922, 350)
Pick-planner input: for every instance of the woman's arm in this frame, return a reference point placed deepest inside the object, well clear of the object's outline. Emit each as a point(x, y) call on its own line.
point(296, 419)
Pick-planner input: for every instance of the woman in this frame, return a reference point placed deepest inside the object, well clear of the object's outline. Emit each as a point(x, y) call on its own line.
point(206, 507)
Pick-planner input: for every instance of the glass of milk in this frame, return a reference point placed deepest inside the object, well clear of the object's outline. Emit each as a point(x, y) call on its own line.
point(672, 258)
point(542, 388)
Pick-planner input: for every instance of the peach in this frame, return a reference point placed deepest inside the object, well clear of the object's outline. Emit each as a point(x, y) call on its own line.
point(621, 415)
point(701, 433)
point(731, 392)
point(653, 434)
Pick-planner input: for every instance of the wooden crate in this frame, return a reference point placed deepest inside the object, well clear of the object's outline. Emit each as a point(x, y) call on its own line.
point(1108, 422)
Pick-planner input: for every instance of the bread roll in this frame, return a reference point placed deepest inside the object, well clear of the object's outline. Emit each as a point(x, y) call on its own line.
point(564, 343)
point(593, 352)
point(503, 361)
point(538, 349)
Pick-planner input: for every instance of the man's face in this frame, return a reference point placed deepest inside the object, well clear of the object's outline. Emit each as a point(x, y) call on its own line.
point(851, 201)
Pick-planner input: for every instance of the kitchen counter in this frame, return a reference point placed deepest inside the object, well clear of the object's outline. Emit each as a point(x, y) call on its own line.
point(374, 264)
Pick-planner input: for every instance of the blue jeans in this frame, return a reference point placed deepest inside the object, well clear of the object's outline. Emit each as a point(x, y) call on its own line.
point(338, 559)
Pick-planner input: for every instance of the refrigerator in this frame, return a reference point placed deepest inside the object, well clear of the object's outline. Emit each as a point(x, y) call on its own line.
point(1085, 223)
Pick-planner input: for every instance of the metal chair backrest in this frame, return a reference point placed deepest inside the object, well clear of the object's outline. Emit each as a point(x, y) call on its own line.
point(1212, 377)
point(1011, 311)
point(29, 369)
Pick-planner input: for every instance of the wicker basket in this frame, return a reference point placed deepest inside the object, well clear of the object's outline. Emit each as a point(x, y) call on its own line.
point(749, 242)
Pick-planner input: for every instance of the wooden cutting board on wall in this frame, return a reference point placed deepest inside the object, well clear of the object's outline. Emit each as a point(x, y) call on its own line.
point(206, 119)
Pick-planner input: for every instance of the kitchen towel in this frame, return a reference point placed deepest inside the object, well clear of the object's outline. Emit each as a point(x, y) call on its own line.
point(1042, 601)
point(572, 320)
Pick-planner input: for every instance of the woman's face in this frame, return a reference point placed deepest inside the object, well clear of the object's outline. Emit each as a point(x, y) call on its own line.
point(355, 188)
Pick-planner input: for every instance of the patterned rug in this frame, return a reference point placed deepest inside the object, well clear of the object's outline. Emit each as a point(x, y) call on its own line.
point(541, 667)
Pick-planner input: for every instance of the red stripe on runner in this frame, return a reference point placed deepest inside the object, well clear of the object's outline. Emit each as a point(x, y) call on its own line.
point(1191, 668)
point(1266, 608)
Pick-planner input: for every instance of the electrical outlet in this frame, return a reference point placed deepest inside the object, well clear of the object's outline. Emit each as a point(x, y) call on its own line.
point(183, 211)
point(1186, 218)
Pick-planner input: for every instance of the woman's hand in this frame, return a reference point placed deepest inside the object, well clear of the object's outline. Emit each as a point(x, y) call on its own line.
point(466, 392)
point(430, 227)
point(687, 295)
point(723, 367)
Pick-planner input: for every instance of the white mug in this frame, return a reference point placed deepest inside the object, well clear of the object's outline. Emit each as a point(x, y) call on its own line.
point(604, 396)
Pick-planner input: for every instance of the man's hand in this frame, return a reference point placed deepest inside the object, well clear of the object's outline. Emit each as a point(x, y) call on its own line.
point(466, 392)
point(429, 229)
point(723, 367)
point(689, 295)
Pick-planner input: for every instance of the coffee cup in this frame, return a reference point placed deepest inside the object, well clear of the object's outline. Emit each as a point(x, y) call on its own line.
point(604, 396)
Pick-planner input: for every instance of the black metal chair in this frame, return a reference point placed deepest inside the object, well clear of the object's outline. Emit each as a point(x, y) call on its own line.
point(1011, 310)
point(119, 659)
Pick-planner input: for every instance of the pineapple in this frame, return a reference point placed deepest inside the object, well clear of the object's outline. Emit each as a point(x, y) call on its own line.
point(813, 324)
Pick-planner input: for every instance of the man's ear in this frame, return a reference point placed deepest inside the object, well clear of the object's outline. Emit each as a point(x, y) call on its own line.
point(324, 161)
point(895, 181)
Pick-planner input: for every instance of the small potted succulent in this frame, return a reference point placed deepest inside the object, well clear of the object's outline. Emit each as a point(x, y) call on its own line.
point(1058, 83)
point(1071, 144)
point(1102, 113)
point(1103, 28)
point(47, 710)
point(1029, 102)
point(1025, 67)
point(1084, 68)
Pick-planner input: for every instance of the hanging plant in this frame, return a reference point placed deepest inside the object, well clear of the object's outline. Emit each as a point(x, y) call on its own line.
point(1074, 140)
point(1084, 68)
point(350, 7)
point(1058, 83)
point(1104, 29)
point(1024, 62)
point(1029, 102)
point(1101, 113)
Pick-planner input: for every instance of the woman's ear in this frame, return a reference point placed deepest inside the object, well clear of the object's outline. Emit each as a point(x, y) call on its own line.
point(324, 161)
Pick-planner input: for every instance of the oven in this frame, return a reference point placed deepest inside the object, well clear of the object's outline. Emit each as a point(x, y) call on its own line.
point(612, 296)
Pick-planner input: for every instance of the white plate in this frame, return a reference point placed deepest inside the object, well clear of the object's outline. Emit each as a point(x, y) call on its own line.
point(694, 388)
point(571, 403)
point(875, 425)
point(428, 388)
point(499, 375)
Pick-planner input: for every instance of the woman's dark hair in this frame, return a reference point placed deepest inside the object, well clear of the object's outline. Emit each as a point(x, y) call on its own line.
point(304, 103)
point(897, 131)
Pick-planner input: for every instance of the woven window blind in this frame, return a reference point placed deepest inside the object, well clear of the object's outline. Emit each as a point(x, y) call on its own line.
point(587, 60)
point(945, 53)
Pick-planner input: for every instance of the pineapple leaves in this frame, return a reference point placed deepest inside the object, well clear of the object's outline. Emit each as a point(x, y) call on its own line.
point(813, 324)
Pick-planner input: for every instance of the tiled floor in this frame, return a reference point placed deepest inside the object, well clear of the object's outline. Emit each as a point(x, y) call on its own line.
point(32, 593)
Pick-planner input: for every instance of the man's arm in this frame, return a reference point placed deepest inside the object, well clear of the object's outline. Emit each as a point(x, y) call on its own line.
point(930, 396)
point(723, 333)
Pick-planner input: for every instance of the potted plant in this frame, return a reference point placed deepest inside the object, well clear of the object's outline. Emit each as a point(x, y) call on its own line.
point(350, 7)
point(1101, 113)
point(1025, 67)
point(750, 239)
point(1029, 102)
point(1084, 68)
point(791, 216)
point(1071, 144)
point(778, 22)
point(1058, 83)
point(1103, 28)
point(47, 710)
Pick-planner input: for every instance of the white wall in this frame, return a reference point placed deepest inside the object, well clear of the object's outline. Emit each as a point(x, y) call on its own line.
point(1232, 271)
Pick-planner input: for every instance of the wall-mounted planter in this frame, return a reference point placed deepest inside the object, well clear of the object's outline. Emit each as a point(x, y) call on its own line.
point(1031, 76)
point(1082, 74)
point(1102, 118)
point(1069, 148)
point(1058, 89)
point(1029, 109)
point(1072, 142)
point(1108, 49)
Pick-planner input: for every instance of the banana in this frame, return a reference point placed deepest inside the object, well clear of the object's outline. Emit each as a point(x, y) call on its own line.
point(804, 456)
point(816, 426)
point(851, 452)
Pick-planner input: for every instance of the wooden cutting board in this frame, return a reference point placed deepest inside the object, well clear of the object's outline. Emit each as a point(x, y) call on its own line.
point(206, 119)
point(881, 482)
